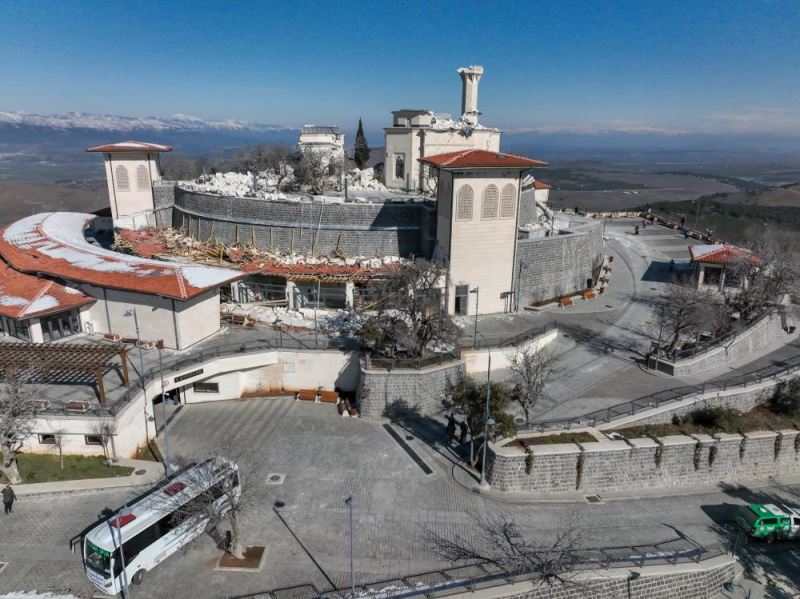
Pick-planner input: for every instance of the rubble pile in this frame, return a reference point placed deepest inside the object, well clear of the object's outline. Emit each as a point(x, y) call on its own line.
point(327, 321)
point(364, 179)
point(263, 185)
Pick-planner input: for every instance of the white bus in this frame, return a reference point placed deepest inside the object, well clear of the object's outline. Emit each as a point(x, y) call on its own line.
point(156, 525)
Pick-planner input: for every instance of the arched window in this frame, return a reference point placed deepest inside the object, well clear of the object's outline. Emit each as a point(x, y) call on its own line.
point(464, 203)
point(142, 178)
point(490, 202)
point(508, 200)
point(400, 167)
point(121, 175)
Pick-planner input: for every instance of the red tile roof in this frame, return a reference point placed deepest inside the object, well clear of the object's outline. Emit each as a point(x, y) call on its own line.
point(53, 243)
point(131, 146)
point(24, 296)
point(481, 159)
point(721, 253)
point(540, 185)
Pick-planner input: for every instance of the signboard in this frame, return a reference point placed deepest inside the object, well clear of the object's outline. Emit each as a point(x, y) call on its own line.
point(188, 375)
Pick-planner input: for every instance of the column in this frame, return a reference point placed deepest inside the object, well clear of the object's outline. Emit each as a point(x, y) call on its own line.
point(350, 295)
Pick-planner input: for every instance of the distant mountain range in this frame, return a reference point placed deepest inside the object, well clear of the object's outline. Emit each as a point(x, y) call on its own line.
point(76, 131)
point(71, 133)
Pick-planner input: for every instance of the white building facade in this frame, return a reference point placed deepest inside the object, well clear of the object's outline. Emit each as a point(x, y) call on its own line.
point(418, 133)
point(327, 141)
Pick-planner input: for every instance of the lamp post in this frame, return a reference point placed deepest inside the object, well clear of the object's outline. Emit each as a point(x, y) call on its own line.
point(141, 368)
point(167, 469)
point(123, 511)
point(349, 503)
point(477, 292)
point(487, 420)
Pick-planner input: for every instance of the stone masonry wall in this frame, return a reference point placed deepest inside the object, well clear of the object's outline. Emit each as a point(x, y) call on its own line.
point(381, 391)
point(552, 266)
point(355, 229)
point(675, 461)
point(758, 336)
point(163, 201)
point(696, 581)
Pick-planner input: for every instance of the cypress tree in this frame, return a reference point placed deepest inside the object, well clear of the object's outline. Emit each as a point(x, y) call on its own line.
point(361, 153)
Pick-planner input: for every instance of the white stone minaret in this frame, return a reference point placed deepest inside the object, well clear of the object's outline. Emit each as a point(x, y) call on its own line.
point(470, 76)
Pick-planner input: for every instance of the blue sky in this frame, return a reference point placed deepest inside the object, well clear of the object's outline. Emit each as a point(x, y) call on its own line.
point(723, 65)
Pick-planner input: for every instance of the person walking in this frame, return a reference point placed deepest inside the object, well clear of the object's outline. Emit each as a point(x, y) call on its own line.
point(451, 428)
point(8, 498)
point(462, 437)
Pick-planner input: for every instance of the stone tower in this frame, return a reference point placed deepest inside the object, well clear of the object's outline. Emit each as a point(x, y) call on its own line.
point(470, 77)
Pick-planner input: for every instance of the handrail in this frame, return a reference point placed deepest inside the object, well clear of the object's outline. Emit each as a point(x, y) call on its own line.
point(666, 397)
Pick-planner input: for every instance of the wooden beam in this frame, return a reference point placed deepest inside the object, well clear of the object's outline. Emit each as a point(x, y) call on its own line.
point(98, 375)
point(123, 358)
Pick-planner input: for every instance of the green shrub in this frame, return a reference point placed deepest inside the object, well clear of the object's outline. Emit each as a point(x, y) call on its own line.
point(786, 399)
point(725, 419)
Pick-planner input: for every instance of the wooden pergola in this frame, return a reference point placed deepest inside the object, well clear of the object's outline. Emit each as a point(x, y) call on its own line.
point(81, 358)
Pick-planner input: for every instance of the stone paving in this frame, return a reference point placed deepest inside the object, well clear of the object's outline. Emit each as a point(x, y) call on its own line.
point(326, 459)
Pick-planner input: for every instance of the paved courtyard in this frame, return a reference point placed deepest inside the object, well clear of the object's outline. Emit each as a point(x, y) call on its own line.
point(325, 459)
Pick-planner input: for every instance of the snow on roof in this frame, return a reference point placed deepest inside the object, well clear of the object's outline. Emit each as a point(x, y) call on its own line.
point(481, 158)
point(24, 296)
point(131, 146)
point(53, 243)
point(720, 253)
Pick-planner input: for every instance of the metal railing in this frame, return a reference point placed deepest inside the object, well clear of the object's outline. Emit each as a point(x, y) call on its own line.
point(662, 398)
point(482, 575)
point(707, 346)
point(284, 340)
point(400, 363)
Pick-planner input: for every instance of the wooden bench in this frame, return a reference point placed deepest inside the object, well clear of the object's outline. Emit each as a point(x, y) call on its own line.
point(78, 407)
point(589, 295)
point(238, 318)
point(565, 301)
point(306, 395)
point(41, 404)
point(328, 396)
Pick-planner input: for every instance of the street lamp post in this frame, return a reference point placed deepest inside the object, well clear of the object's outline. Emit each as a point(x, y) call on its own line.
point(167, 462)
point(123, 511)
point(141, 368)
point(349, 503)
point(487, 420)
point(477, 292)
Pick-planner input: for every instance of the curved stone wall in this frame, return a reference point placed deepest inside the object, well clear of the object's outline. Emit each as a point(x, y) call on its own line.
point(353, 229)
point(549, 267)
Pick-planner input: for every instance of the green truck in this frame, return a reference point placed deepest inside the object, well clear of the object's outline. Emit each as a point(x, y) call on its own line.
point(769, 521)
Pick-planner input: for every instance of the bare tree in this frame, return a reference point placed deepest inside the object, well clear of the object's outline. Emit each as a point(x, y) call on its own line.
point(320, 171)
point(769, 275)
point(181, 167)
point(224, 496)
point(20, 402)
point(530, 372)
point(105, 430)
point(58, 442)
point(505, 546)
point(681, 312)
point(411, 317)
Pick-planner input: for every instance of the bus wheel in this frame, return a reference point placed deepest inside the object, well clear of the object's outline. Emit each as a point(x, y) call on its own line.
point(770, 537)
point(138, 577)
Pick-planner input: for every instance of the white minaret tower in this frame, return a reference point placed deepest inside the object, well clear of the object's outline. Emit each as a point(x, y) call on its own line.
point(470, 76)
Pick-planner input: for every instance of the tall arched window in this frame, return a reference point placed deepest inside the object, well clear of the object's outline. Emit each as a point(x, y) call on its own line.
point(142, 178)
point(400, 167)
point(508, 201)
point(490, 203)
point(464, 203)
point(121, 175)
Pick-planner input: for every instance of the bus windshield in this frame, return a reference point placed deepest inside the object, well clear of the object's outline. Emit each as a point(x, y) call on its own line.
point(98, 559)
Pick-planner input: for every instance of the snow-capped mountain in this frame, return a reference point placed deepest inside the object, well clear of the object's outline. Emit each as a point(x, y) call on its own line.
point(76, 131)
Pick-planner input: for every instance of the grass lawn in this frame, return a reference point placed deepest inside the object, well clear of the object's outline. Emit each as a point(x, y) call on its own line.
point(553, 439)
point(42, 468)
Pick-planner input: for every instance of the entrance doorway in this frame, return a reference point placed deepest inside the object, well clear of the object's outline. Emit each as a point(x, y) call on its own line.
point(462, 300)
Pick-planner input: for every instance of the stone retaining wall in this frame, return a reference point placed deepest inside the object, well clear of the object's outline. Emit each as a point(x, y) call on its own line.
point(758, 336)
point(674, 461)
point(549, 267)
point(382, 391)
point(703, 580)
point(354, 229)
